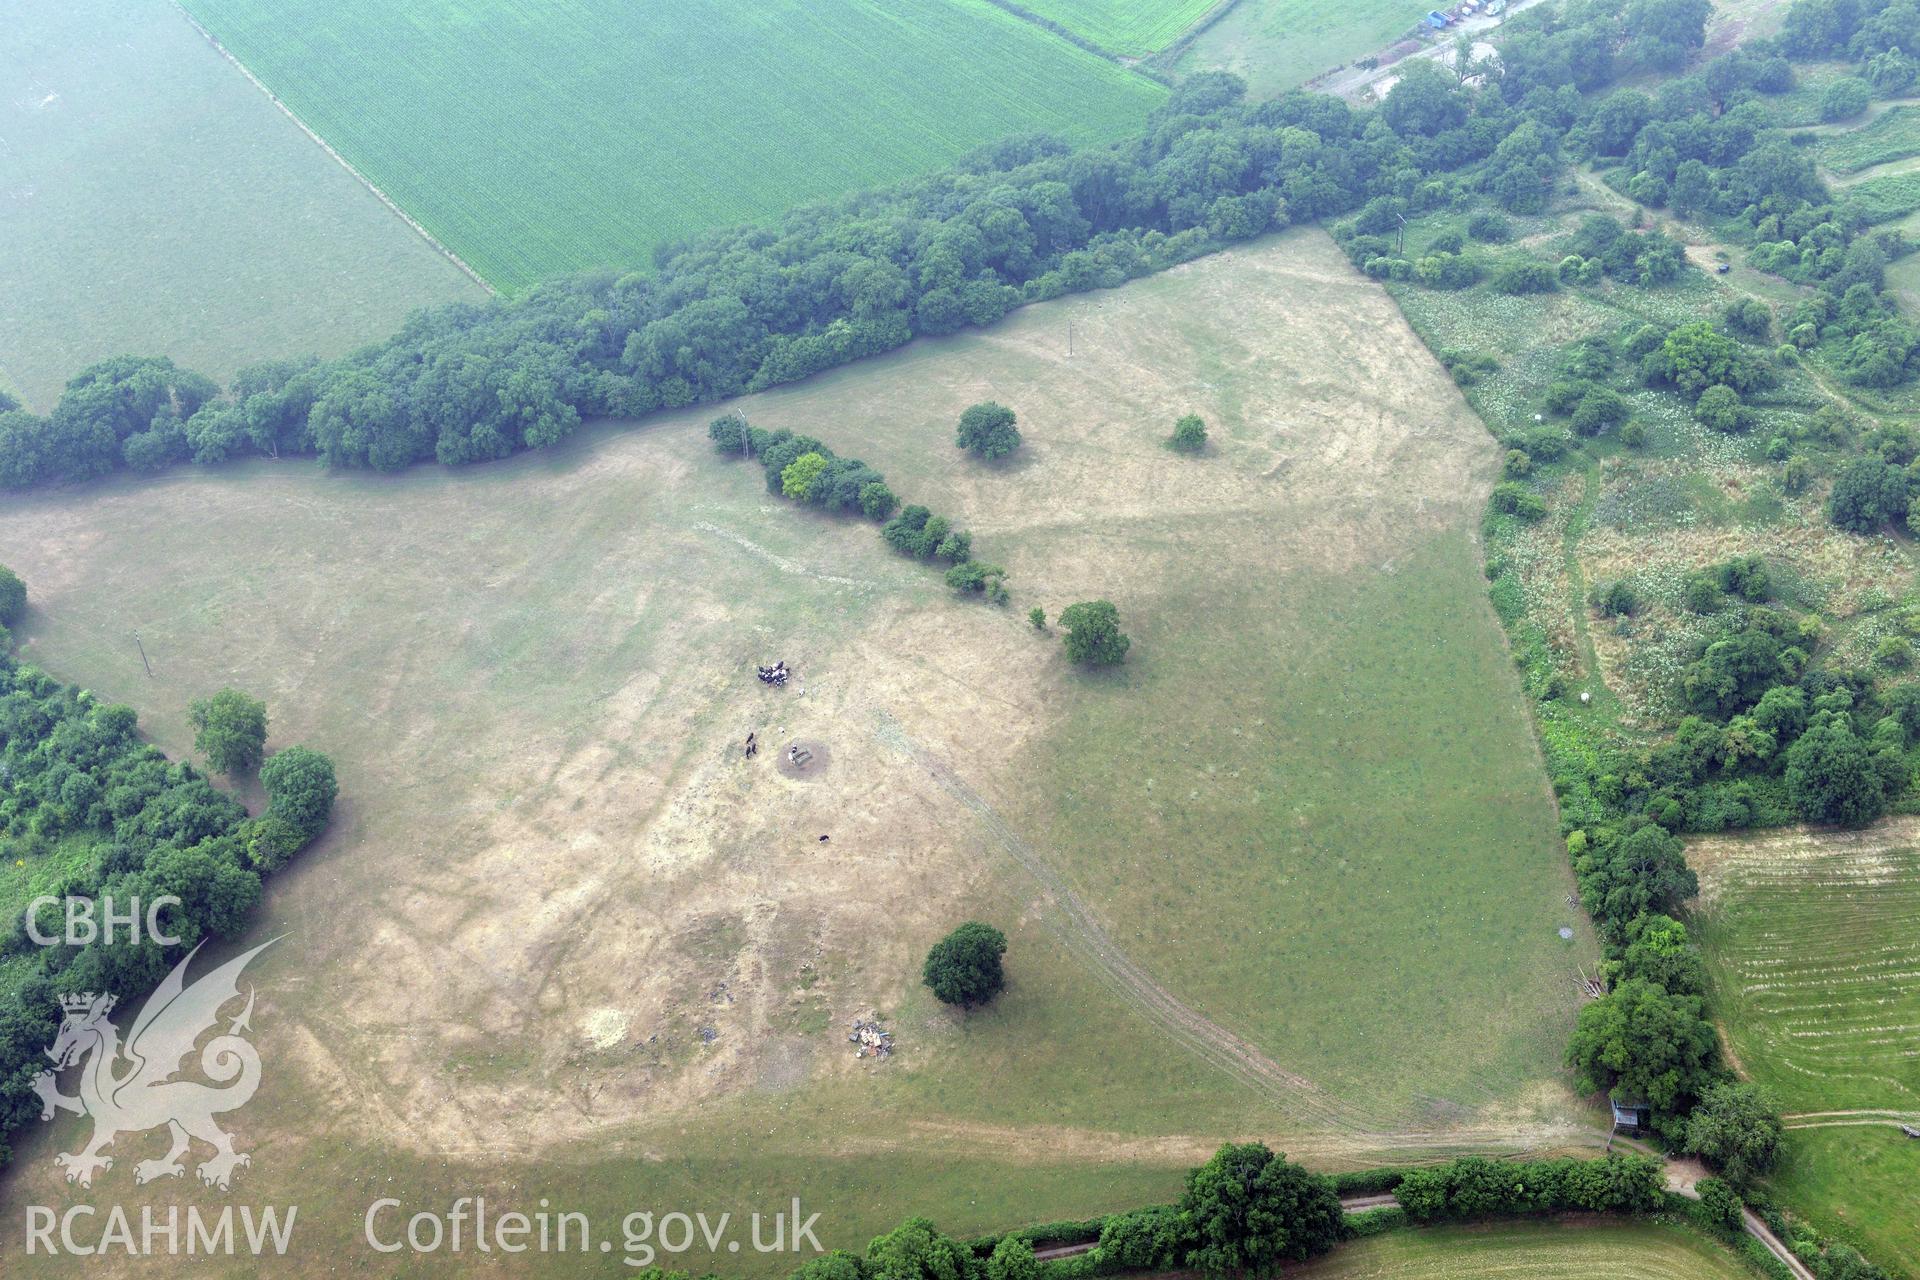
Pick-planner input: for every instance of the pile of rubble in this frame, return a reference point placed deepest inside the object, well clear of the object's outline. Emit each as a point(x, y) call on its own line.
point(870, 1040)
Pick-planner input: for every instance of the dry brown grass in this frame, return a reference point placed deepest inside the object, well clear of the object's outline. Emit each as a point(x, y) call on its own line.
point(559, 920)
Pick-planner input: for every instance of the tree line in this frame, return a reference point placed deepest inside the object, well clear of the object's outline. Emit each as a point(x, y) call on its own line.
point(1770, 734)
point(741, 309)
point(1249, 1211)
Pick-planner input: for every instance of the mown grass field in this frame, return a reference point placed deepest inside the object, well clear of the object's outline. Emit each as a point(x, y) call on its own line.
point(1130, 28)
point(152, 201)
point(1281, 44)
point(537, 138)
point(1815, 959)
point(1308, 806)
point(1573, 1249)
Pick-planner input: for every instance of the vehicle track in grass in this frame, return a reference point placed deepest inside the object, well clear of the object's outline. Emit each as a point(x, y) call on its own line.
point(1070, 920)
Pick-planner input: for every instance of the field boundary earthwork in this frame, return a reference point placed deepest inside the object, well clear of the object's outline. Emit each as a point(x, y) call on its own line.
point(327, 147)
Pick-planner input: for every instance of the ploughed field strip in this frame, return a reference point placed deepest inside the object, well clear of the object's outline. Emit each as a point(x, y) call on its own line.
point(538, 139)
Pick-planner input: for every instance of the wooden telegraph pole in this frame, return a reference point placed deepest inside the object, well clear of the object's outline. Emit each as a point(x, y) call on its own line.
point(143, 655)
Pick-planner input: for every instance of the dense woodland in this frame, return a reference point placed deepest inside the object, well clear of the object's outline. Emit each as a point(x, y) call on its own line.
point(78, 785)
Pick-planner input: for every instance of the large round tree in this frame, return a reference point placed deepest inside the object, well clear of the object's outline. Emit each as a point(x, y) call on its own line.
point(1093, 634)
point(1831, 775)
point(230, 730)
point(964, 967)
point(987, 429)
point(1249, 1210)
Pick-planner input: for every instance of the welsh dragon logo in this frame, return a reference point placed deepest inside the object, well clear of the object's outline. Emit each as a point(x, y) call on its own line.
point(129, 1088)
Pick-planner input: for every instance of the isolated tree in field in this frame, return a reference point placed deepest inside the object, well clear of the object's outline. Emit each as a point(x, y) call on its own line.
point(1189, 434)
point(987, 430)
point(1719, 407)
point(300, 789)
point(1038, 617)
point(230, 730)
point(1249, 1211)
point(964, 967)
point(1735, 1130)
point(796, 479)
point(1093, 634)
point(13, 597)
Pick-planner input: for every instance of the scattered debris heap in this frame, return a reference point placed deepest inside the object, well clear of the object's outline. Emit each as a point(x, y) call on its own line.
point(870, 1040)
point(775, 675)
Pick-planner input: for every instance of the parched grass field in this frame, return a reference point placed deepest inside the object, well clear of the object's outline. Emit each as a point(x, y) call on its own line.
point(1815, 957)
point(1281, 44)
point(1130, 28)
point(564, 941)
point(1572, 1249)
point(537, 138)
point(152, 201)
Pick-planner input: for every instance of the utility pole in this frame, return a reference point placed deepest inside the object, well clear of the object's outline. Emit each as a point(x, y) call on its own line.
point(1069, 339)
point(143, 655)
point(1400, 246)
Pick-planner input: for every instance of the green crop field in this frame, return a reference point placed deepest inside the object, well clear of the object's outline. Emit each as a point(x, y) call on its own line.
point(1577, 1249)
point(1816, 965)
point(155, 202)
point(1131, 28)
point(1280, 44)
point(536, 138)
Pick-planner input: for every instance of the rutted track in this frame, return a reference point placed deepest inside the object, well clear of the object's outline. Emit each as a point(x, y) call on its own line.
point(1071, 922)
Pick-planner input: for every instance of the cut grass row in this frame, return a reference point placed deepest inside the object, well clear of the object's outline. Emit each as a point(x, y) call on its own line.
point(537, 138)
point(1571, 1249)
point(1816, 972)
